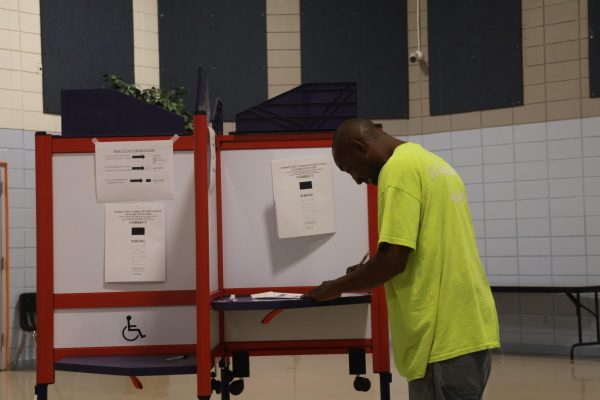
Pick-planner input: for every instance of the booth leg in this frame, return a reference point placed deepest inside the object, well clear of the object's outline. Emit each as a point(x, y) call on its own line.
point(385, 378)
point(226, 378)
point(41, 391)
point(224, 390)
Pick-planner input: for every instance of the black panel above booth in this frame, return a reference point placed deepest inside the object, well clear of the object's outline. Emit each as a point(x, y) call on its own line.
point(106, 112)
point(82, 41)
point(358, 41)
point(475, 55)
point(228, 38)
point(308, 107)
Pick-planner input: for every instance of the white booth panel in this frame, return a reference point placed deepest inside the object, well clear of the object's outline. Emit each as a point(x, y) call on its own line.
point(319, 323)
point(105, 327)
point(212, 244)
point(253, 255)
point(79, 229)
point(215, 338)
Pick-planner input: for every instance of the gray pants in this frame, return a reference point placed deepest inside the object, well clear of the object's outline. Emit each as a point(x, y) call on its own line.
point(460, 378)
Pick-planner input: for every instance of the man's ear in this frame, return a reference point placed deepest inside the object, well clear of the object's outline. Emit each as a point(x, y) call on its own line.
point(359, 145)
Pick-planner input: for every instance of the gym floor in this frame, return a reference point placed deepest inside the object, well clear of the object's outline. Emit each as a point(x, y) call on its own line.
point(515, 377)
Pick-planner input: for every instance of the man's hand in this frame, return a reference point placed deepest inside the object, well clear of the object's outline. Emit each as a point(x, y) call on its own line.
point(327, 291)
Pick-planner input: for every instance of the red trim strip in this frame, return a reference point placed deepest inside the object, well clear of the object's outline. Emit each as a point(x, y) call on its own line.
point(381, 356)
point(85, 145)
point(280, 145)
point(267, 318)
point(379, 320)
point(203, 310)
point(295, 352)
point(216, 294)
point(136, 382)
point(60, 353)
point(276, 137)
point(372, 217)
point(125, 299)
point(45, 260)
point(275, 141)
point(297, 347)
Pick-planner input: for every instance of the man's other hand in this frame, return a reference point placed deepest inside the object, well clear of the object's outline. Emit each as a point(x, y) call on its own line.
point(326, 291)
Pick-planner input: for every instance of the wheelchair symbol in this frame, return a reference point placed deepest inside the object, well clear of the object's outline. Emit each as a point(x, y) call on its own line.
point(132, 328)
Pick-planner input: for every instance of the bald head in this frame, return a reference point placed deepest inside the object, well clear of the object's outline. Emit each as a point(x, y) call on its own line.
point(360, 149)
point(353, 129)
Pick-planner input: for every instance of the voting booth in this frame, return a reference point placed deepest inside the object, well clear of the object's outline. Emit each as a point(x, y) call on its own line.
point(120, 326)
point(193, 314)
point(255, 256)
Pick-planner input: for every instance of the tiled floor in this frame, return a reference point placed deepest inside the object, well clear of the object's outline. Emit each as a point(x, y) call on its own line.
point(514, 377)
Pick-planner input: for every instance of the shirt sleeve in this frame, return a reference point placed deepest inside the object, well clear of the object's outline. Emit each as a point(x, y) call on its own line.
point(399, 217)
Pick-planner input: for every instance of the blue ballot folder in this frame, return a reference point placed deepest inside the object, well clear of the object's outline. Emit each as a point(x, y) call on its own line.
point(227, 303)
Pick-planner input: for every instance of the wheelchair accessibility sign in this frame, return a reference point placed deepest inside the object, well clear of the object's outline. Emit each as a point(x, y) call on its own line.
point(132, 332)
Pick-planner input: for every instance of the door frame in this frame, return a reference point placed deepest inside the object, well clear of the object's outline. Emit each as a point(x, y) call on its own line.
point(4, 270)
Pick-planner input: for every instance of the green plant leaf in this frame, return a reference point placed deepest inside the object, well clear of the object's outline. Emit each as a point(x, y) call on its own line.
point(168, 99)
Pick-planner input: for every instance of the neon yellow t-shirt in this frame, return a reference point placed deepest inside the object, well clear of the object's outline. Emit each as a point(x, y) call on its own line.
point(441, 306)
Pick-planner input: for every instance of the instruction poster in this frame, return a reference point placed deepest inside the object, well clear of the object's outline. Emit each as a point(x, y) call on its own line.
point(135, 242)
point(303, 194)
point(134, 171)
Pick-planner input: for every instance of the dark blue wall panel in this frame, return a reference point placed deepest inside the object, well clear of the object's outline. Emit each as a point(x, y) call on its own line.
point(358, 41)
point(475, 56)
point(81, 41)
point(226, 37)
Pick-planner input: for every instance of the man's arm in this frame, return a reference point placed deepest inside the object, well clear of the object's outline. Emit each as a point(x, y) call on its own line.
point(389, 261)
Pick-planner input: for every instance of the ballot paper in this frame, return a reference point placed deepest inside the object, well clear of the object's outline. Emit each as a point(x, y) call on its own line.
point(134, 170)
point(303, 195)
point(135, 242)
point(275, 296)
point(354, 294)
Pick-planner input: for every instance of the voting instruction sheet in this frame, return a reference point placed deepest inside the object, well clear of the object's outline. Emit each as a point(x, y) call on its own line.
point(134, 171)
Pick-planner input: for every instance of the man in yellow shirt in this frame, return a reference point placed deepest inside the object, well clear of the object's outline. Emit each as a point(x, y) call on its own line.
point(442, 315)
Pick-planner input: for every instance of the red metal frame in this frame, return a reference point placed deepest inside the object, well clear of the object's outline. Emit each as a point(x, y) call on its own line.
point(379, 342)
point(48, 301)
point(45, 260)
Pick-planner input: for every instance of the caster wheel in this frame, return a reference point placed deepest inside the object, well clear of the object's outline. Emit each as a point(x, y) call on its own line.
point(236, 387)
point(215, 386)
point(362, 384)
point(226, 375)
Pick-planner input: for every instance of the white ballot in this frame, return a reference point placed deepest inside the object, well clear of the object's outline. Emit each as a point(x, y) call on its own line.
point(303, 194)
point(134, 171)
point(135, 242)
point(276, 296)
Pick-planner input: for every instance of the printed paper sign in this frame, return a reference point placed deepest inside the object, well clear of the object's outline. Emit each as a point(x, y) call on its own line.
point(303, 195)
point(134, 171)
point(135, 242)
